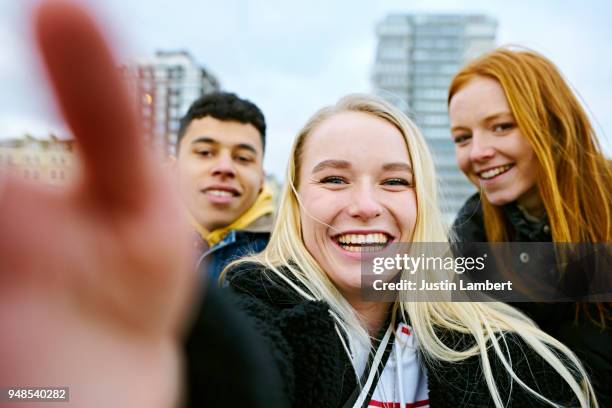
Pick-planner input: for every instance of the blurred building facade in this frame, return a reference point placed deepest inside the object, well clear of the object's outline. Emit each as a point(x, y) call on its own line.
point(164, 86)
point(416, 57)
point(50, 161)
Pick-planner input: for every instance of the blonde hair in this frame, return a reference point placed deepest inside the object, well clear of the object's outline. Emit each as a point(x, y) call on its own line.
point(288, 259)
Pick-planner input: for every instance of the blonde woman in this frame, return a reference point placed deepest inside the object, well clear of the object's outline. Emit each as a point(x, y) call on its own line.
point(95, 281)
point(524, 139)
point(360, 178)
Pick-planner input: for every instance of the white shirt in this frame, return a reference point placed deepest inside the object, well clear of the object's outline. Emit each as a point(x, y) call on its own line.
point(403, 381)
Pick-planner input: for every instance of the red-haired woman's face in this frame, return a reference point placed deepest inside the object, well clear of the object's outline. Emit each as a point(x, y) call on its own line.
point(489, 146)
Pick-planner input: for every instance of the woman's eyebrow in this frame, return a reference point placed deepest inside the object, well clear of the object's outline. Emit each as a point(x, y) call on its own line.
point(496, 116)
point(336, 164)
point(397, 166)
point(455, 128)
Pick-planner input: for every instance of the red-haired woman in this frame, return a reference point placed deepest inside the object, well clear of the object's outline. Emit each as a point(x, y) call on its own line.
point(522, 137)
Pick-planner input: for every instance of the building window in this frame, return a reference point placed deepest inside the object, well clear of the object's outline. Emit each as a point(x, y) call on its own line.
point(431, 106)
point(434, 120)
point(438, 133)
point(432, 93)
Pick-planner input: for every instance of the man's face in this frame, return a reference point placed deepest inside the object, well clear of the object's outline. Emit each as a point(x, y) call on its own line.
point(220, 170)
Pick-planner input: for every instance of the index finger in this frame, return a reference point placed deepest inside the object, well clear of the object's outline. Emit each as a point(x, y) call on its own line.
point(95, 104)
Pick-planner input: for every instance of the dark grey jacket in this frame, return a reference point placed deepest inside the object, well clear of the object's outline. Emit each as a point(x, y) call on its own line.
point(592, 344)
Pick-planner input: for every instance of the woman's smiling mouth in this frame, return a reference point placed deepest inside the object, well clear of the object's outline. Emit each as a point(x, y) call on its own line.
point(358, 241)
point(494, 172)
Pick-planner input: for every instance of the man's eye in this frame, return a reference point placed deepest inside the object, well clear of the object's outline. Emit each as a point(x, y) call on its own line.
point(244, 159)
point(333, 180)
point(396, 182)
point(205, 153)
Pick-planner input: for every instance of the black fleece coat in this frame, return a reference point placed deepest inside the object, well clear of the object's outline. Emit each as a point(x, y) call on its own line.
point(297, 342)
point(592, 344)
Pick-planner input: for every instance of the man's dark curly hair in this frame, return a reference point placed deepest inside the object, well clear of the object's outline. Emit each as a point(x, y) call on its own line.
point(224, 106)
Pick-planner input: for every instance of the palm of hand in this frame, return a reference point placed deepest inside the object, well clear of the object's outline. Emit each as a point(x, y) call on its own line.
point(95, 279)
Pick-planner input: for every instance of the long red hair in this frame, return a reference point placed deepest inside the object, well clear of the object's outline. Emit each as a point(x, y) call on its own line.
point(574, 177)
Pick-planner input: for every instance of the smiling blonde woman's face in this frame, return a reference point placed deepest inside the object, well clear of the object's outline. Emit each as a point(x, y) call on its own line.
point(357, 195)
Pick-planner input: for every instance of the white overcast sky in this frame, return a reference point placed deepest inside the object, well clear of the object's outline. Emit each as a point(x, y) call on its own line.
point(293, 57)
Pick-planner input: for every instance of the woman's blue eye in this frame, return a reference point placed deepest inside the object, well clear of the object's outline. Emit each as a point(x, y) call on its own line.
point(396, 182)
point(461, 138)
point(500, 127)
point(333, 180)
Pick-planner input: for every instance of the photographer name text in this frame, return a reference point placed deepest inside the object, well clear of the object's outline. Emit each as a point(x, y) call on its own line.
point(446, 285)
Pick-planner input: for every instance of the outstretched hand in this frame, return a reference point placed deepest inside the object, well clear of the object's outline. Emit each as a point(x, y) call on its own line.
point(94, 279)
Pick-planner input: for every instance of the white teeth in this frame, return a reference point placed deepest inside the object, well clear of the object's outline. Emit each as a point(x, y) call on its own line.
point(494, 172)
point(219, 193)
point(361, 239)
point(363, 248)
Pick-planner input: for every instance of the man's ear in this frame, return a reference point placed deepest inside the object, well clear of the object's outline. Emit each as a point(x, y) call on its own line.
point(263, 181)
